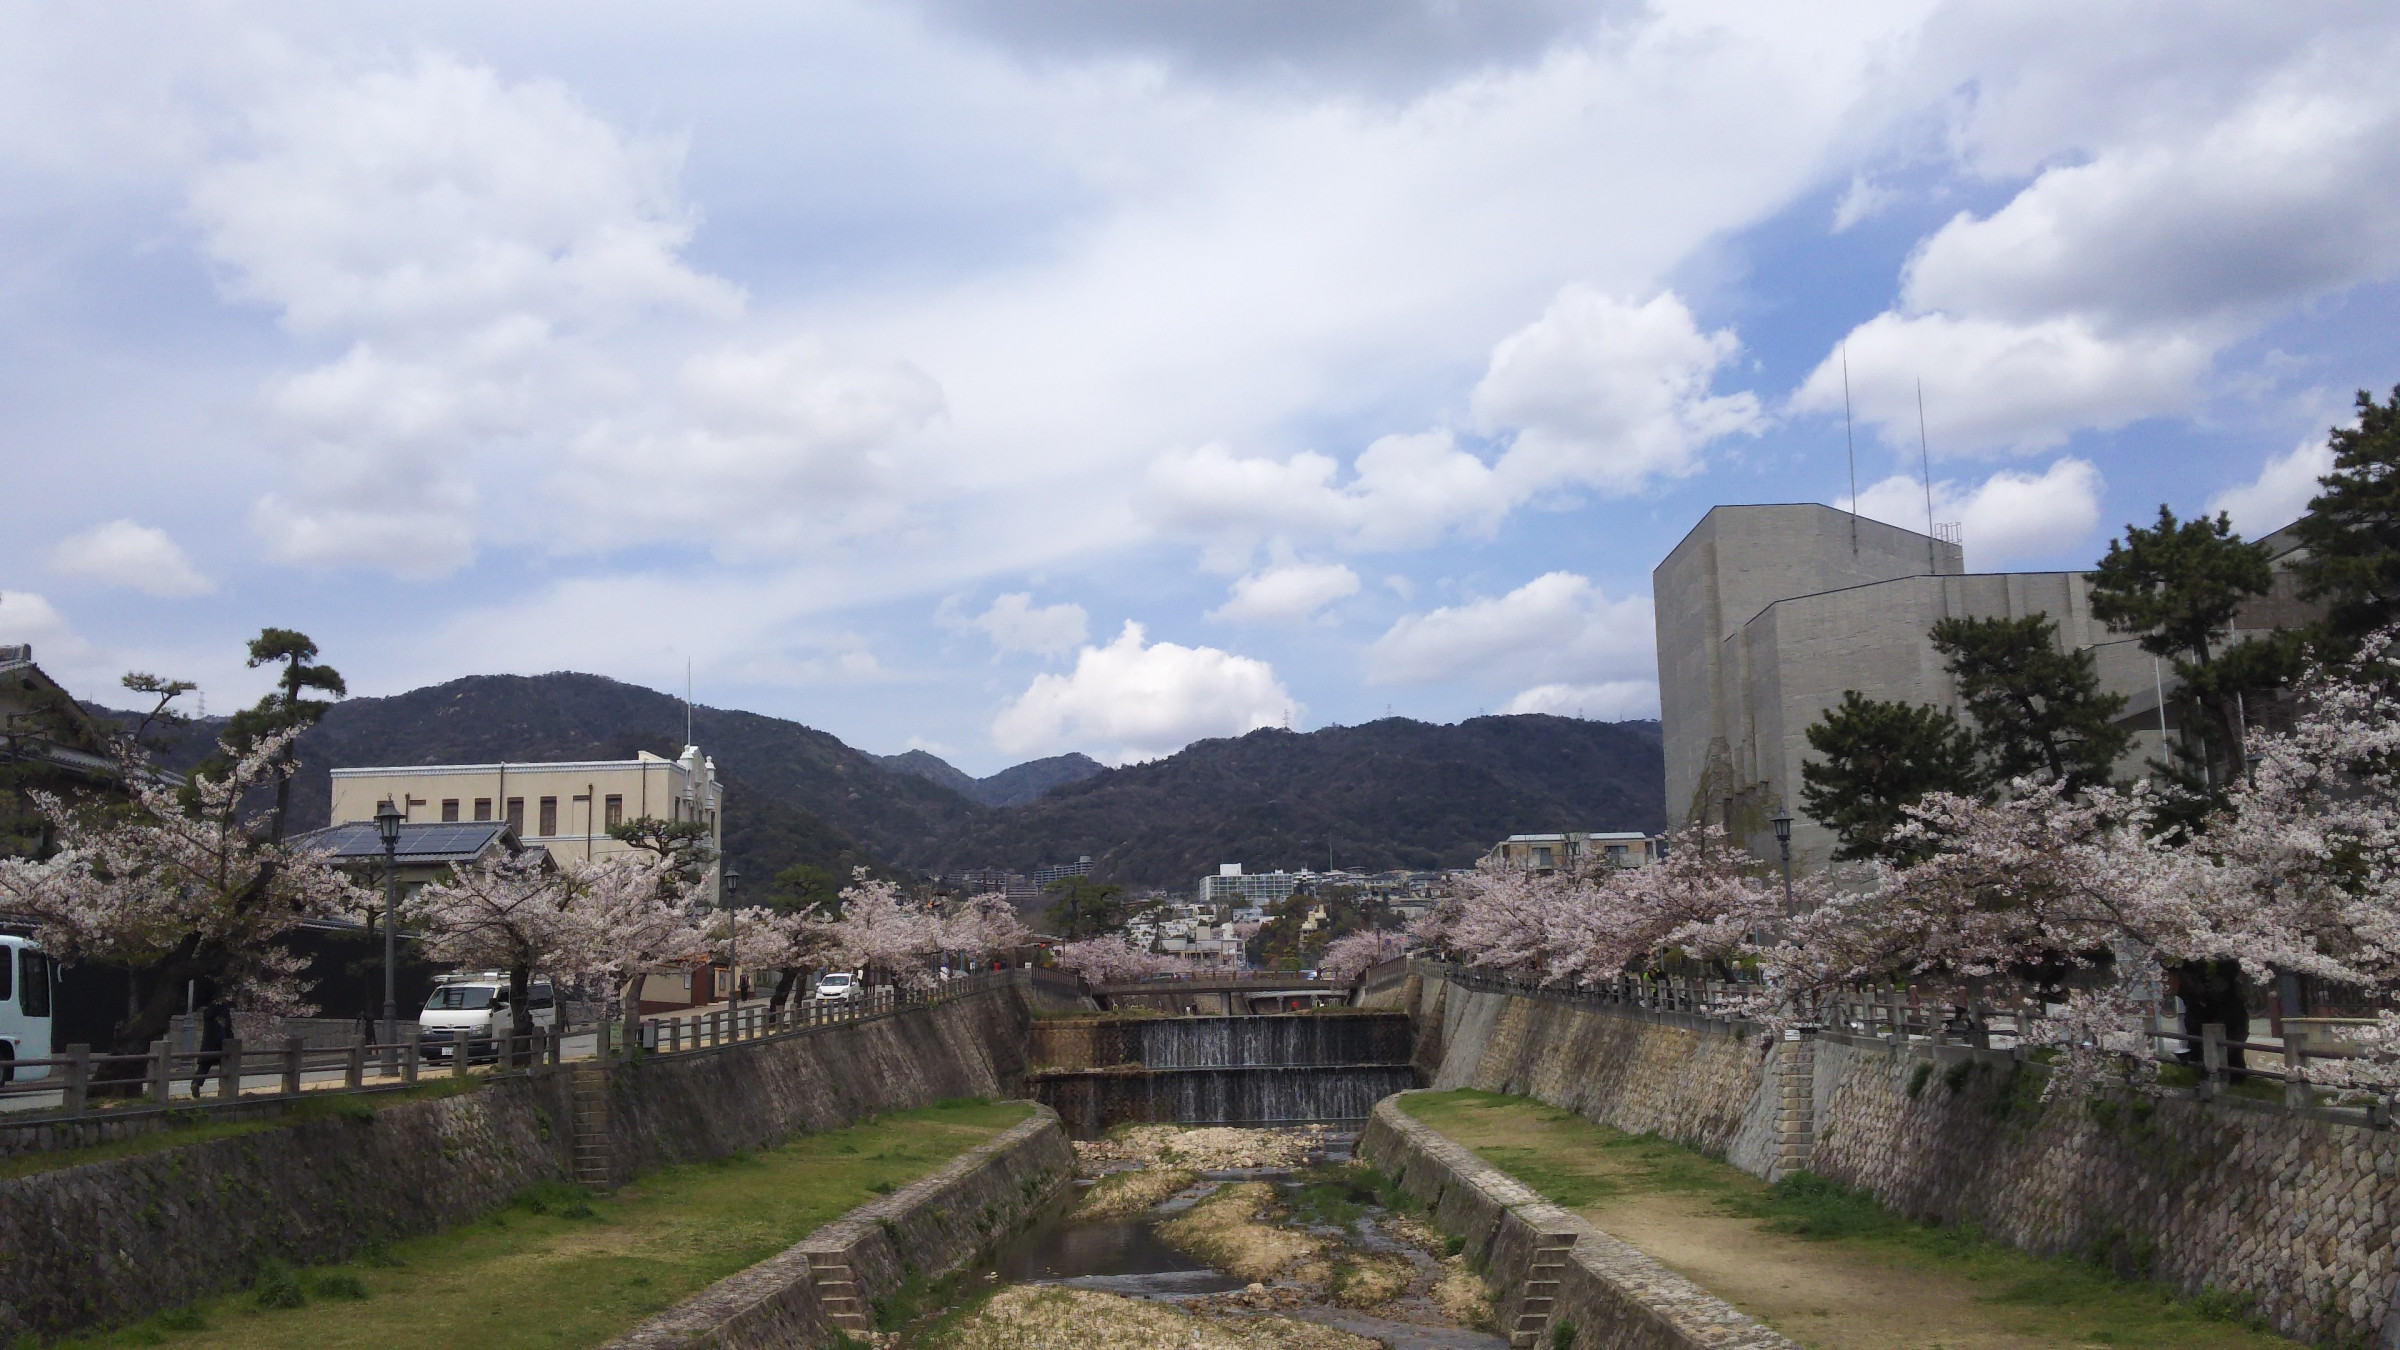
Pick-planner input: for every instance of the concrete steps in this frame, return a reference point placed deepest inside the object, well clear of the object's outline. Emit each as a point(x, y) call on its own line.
point(1538, 1303)
point(837, 1293)
point(594, 1167)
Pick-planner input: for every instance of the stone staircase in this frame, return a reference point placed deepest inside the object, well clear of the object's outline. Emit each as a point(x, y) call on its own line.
point(594, 1167)
point(837, 1293)
point(1540, 1302)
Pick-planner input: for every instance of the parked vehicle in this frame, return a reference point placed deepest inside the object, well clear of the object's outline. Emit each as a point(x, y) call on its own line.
point(473, 1011)
point(26, 978)
point(838, 984)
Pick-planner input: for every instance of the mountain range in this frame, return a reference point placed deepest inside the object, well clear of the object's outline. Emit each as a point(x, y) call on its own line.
point(1390, 793)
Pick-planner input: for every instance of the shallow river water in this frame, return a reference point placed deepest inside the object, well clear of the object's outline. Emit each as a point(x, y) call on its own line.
point(1131, 1258)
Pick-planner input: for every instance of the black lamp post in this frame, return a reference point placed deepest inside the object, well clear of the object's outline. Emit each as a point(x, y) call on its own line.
point(728, 878)
point(387, 826)
point(1783, 844)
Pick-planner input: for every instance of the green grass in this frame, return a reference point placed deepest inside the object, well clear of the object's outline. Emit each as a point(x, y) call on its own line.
point(1579, 1164)
point(559, 1268)
point(197, 1127)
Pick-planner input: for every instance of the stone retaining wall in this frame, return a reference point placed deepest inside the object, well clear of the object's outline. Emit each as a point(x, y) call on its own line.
point(1614, 1297)
point(2293, 1208)
point(104, 1243)
point(932, 1227)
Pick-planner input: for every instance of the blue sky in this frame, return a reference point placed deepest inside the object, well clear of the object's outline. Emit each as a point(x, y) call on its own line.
point(885, 363)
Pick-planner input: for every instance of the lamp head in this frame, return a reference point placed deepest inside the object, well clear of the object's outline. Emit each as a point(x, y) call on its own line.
point(732, 877)
point(1783, 828)
point(387, 823)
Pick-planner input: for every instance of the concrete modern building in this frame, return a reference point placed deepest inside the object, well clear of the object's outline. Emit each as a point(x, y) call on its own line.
point(1232, 886)
point(566, 808)
point(1766, 614)
point(1573, 850)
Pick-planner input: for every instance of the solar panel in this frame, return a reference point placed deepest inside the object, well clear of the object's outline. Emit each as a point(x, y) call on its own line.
point(447, 838)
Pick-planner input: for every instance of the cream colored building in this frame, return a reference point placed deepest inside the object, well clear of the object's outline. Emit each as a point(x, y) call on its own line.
point(566, 808)
point(1573, 851)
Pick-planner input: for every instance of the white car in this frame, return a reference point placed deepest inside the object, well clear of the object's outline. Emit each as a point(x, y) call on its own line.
point(473, 1010)
point(839, 984)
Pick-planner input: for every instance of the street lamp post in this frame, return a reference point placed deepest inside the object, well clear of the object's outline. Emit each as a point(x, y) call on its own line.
point(728, 879)
point(1783, 844)
point(387, 826)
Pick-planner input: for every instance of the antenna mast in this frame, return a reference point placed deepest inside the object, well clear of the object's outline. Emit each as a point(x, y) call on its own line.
point(687, 700)
point(1925, 463)
point(1851, 444)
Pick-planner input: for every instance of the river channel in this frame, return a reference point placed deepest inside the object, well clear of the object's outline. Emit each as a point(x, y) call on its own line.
point(1224, 1237)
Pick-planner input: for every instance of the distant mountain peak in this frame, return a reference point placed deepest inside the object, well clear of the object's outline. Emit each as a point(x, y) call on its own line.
point(1012, 786)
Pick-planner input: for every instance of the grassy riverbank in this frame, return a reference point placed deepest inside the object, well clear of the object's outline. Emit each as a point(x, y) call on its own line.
point(1824, 1265)
point(559, 1269)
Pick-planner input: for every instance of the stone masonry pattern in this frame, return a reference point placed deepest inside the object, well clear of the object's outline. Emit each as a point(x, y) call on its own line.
point(2294, 1209)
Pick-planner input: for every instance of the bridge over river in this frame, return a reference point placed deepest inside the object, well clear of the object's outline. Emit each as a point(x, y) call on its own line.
point(1224, 995)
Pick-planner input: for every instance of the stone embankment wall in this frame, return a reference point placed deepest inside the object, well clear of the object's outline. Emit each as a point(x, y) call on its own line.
point(104, 1243)
point(2293, 1208)
point(1550, 1268)
point(829, 1282)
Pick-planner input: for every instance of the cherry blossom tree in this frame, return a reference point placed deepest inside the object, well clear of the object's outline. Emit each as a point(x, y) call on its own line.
point(1347, 957)
point(178, 885)
point(787, 942)
point(881, 930)
point(982, 926)
point(1114, 958)
point(642, 913)
point(518, 914)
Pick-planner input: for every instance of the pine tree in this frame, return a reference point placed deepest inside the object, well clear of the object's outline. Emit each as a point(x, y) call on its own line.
point(2352, 529)
point(2038, 711)
point(1879, 757)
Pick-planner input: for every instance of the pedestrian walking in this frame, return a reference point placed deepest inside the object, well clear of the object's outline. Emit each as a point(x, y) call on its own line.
point(216, 1028)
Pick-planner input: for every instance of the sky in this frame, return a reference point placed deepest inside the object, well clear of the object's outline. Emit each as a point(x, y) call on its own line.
point(1003, 379)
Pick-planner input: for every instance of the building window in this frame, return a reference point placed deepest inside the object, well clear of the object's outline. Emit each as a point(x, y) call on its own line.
point(449, 810)
point(483, 808)
point(1541, 857)
point(516, 815)
point(549, 816)
point(1618, 855)
point(616, 811)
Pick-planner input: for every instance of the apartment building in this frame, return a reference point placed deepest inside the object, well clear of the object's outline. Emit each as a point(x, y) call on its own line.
point(566, 808)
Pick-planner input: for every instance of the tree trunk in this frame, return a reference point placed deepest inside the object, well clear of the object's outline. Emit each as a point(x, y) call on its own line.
point(520, 1004)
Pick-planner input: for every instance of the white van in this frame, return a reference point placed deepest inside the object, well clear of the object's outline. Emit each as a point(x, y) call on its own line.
point(474, 1009)
point(27, 978)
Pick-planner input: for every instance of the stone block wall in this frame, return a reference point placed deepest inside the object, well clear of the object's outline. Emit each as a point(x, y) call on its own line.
point(2293, 1208)
point(106, 1243)
point(1548, 1267)
point(933, 1227)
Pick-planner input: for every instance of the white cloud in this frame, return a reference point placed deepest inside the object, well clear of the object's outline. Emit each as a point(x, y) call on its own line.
point(1556, 628)
point(27, 617)
point(1015, 624)
point(466, 240)
point(1597, 395)
point(1132, 700)
point(2106, 289)
point(2280, 494)
point(1999, 385)
point(1613, 701)
point(139, 557)
point(1608, 395)
point(2007, 518)
point(1292, 593)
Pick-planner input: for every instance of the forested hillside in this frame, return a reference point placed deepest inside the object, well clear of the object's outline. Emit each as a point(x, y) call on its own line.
point(1392, 793)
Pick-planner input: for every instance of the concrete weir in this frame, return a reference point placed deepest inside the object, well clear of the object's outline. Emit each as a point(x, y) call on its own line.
point(828, 1283)
point(1268, 1070)
point(1549, 1268)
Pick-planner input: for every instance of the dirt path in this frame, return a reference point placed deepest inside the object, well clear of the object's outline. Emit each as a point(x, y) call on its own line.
point(1892, 1287)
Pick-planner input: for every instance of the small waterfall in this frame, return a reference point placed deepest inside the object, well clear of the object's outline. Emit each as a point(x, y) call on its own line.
point(1221, 1070)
